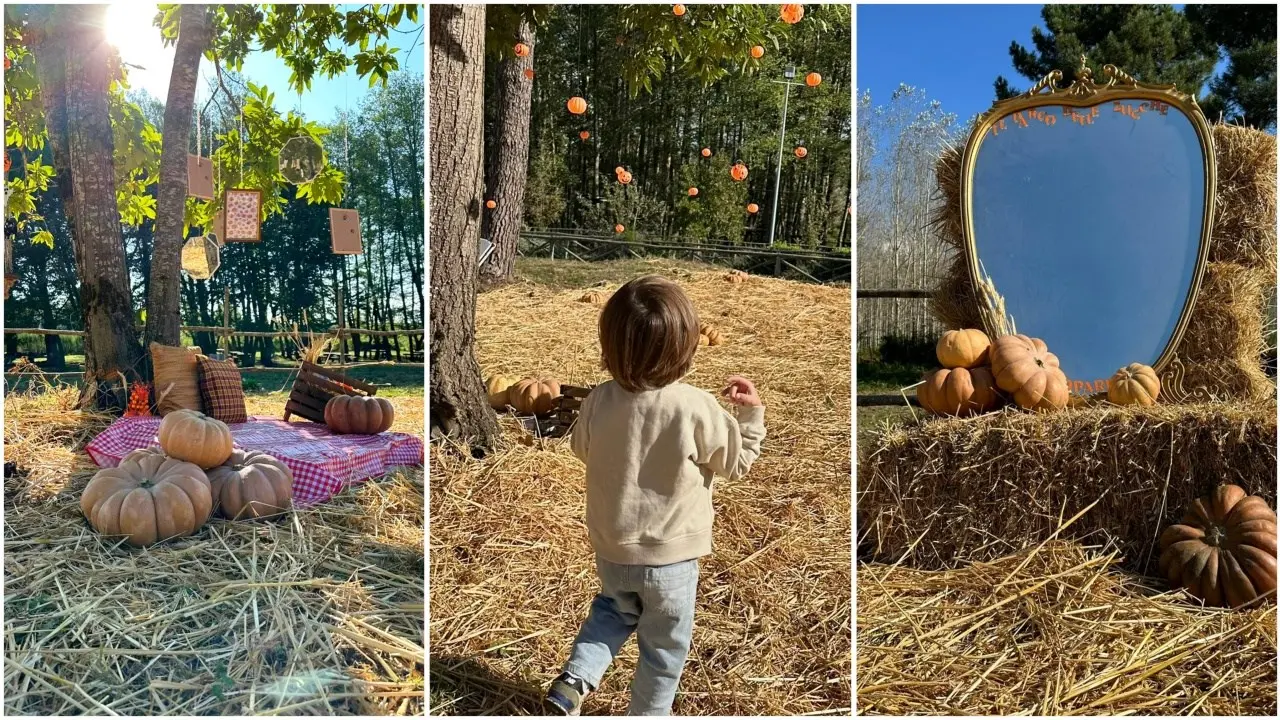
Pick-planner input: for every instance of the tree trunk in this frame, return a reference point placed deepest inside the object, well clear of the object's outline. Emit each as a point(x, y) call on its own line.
point(510, 169)
point(459, 408)
point(75, 68)
point(164, 317)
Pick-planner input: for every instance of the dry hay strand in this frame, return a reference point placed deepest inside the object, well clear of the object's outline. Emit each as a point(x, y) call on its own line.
point(512, 572)
point(320, 612)
point(1057, 630)
point(1244, 224)
point(943, 492)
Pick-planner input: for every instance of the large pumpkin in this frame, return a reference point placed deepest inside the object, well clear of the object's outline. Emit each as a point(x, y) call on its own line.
point(497, 386)
point(710, 335)
point(251, 485)
point(963, 348)
point(1024, 367)
point(147, 498)
point(1135, 384)
point(534, 396)
point(358, 415)
point(196, 438)
point(1224, 550)
point(958, 391)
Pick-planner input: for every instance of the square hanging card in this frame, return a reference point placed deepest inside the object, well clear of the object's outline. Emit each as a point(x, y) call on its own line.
point(242, 210)
point(199, 177)
point(344, 229)
point(218, 227)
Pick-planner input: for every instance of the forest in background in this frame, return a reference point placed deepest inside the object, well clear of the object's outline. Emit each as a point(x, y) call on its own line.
point(900, 137)
point(291, 276)
point(657, 132)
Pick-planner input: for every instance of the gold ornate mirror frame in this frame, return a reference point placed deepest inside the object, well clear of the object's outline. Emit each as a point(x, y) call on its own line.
point(1084, 92)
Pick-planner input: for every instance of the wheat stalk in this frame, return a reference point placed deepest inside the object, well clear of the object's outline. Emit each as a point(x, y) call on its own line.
point(992, 309)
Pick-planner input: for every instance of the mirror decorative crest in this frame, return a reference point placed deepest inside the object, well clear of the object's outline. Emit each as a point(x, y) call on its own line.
point(1088, 209)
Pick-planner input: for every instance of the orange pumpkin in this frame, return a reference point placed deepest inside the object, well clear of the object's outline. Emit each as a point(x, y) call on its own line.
point(735, 277)
point(577, 105)
point(534, 396)
point(963, 348)
point(528, 73)
point(1224, 550)
point(1024, 367)
point(959, 391)
point(251, 485)
point(753, 208)
point(522, 50)
point(1134, 384)
point(490, 204)
point(677, 10)
point(710, 335)
point(693, 192)
point(584, 135)
point(802, 151)
point(624, 177)
point(619, 228)
point(813, 79)
point(738, 172)
point(358, 415)
point(147, 498)
point(791, 14)
point(757, 52)
point(706, 152)
point(193, 437)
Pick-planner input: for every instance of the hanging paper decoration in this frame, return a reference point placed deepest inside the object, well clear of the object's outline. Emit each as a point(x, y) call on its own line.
point(619, 228)
point(577, 105)
point(801, 151)
point(301, 160)
point(752, 208)
point(813, 79)
point(218, 227)
point(792, 14)
point(706, 152)
point(199, 177)
point(677, 10)
point(344, 230)
point(522, 50)
point(10, 280)
point(528, 73)
point(243, 212)
point(757, 52)
point(584, 135)
point(738, 172)
point(693, 192)
point(490, 204)
point(201, 257)
point(624, 177)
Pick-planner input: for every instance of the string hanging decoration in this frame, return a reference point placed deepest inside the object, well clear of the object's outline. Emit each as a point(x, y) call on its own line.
point(242, 213)
point(201, 257)
point(344, 231)
point(199, 170)
point(301, 159)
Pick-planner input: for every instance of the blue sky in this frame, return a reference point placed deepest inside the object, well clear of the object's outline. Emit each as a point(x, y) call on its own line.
point(953, 52)
point(130, 29)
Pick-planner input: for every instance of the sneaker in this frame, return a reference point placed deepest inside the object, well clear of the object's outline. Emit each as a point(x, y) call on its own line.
point(565, 695)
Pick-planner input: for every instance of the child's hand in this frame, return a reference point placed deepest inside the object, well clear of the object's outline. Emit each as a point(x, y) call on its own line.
point(741, 391)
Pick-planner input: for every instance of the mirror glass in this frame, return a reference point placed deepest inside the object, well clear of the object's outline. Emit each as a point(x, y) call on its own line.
point(1088, 221)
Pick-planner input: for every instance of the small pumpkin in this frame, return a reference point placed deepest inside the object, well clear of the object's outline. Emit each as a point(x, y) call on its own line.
point(251, 485)
point(358, 415)
point(757, 51)
point(497, 386)
point(791, 14)
point(735, 277)
point(195, 438)
point(577, 105)
point(594, 297)
point(1134, 384)
point(534, 396)
point(813, 79)
point(1024, 367)
point(738, 172)
point(802, 152)
point(147, 498)
point(958, 391)
point(710, 335)
point(966, 348)
point(1224, 550)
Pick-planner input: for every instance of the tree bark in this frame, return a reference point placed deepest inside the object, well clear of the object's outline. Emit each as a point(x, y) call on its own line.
point(164, 316)
point(75, 69)
point(459, 409)
point(510, 169)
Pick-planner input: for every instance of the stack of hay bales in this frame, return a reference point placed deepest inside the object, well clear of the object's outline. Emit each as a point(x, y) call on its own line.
point(947, 492)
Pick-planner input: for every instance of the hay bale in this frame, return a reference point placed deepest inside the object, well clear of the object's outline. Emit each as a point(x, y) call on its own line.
point(1061, 631)
point(943, 492)
point(1244, 225)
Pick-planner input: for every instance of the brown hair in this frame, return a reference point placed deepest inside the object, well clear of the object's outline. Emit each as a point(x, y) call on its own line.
point(648, 334)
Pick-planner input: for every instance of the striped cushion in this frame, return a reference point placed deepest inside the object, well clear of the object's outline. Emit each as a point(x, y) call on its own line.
point(221, 390)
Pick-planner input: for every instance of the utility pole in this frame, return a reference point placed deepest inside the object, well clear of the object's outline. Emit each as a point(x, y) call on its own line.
point(789, 74)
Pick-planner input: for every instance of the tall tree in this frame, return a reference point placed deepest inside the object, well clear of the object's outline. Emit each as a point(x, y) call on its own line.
point(1153, 43)
point(1246, 90)
point(457, 397)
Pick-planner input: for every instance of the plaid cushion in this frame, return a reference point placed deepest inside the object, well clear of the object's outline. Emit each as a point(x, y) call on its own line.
point(221, 390)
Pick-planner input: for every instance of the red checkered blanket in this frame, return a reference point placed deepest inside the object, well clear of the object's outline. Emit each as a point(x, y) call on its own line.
point(322, 463)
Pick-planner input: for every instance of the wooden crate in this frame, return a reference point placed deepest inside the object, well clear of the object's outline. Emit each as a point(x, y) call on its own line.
point(314, 387)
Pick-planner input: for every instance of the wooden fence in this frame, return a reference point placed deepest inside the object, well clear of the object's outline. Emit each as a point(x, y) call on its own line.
point(817, 266)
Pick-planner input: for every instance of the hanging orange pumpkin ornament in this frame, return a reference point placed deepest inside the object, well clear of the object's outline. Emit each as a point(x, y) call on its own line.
point(738, 172)
point(619, 228)
point(577, 105)
point(7, 164)
point(757, 52)
point(753, 208)
point(522, 50)
point(693, 192)
point(813, 79)
point(801, 151)
point(792, 14)
point(528, 73)
point(624, 177)
point(677, 10)
point(584, 135)
point(619, 170)
point(490, 204)
point(706, 152)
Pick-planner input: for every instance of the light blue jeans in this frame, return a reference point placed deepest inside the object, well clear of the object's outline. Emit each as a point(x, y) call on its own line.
point(654, 602)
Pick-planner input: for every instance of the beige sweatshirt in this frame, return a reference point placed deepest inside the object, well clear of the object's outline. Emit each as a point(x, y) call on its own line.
point(650, 458)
